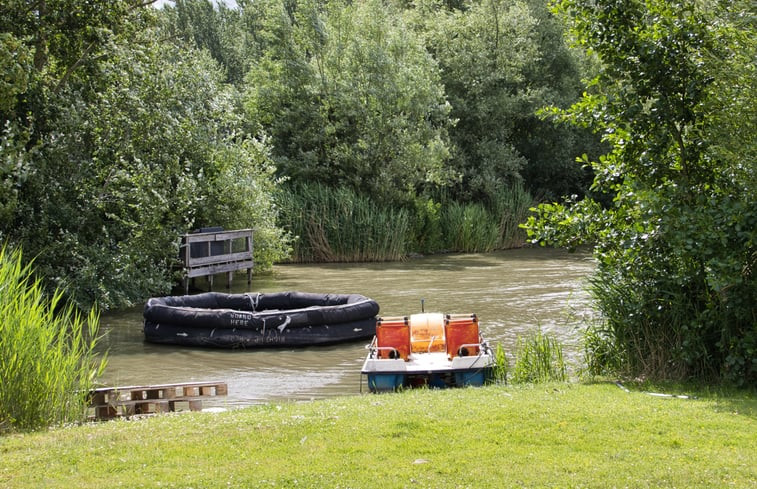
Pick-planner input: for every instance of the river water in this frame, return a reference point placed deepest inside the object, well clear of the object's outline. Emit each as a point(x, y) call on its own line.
point(512, 292)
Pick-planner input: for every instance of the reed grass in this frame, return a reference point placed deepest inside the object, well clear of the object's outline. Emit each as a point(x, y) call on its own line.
point(474, 227)
point(499, 371)
point(512, 208)
point(469, 228)
point(539, 358)
point(647, 334)
point(47, 358)
point(338, 225)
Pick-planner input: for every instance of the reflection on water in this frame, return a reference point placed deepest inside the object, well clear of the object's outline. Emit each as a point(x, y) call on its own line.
point(511, 291)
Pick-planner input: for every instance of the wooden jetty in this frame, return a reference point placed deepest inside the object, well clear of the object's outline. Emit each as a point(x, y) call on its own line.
point(113, 402)
point(212, 251)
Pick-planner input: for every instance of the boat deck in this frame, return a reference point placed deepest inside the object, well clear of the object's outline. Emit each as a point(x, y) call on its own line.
point(427, 363)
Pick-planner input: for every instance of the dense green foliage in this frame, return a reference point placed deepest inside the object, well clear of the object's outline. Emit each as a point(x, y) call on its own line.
point(500, 61)
point(113, 144)
point(676, 247)
point(378, 95)
point(47, 359)
point(350, 98)
point(124, 126)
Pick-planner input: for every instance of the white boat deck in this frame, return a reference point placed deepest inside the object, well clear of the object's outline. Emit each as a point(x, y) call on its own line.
point(425, 363)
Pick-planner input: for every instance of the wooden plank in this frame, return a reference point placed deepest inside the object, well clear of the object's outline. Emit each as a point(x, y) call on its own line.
point(216, 259)
point(216, 236)
point(168, 390)
point(113, 402)
point(215, 269)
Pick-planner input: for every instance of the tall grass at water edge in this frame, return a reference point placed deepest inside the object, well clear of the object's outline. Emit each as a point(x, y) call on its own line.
point(338, 225)
point(472, 227)
point(539, 358)
point(47, 359)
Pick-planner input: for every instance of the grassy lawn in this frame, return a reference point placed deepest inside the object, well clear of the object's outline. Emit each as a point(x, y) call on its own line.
point(554, 435)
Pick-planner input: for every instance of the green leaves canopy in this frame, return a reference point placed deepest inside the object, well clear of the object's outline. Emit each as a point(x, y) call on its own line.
point(115, 145)
point(350, 97)
point(676, 248)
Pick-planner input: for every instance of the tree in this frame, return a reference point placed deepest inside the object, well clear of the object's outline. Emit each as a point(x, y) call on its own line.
point(676, 248)
point(140, 143)
point(500, 62)
point(219, 29)
point(350, 98)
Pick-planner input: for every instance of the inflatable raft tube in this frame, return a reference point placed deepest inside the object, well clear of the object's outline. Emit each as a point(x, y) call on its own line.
point(281, 319)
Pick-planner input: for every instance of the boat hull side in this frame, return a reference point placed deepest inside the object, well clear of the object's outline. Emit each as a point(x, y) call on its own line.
point(215, 337)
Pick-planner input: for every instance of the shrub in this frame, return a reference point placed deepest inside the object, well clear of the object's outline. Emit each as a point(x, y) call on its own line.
point(47, 352)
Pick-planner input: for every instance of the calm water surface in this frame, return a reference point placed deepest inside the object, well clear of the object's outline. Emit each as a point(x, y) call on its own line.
point(512, 292)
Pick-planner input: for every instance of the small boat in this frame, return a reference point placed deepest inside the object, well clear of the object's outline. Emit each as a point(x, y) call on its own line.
point(427, 349)
point(254, 320)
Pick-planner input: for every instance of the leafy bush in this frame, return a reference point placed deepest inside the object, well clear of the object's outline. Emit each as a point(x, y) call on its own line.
point(675, 244)
point(47, 352)
point(122, 158)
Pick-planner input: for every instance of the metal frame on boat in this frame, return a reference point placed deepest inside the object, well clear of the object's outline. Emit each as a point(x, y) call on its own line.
point(427, 349)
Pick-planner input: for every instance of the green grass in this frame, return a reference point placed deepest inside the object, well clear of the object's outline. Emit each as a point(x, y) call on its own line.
point(550, 435)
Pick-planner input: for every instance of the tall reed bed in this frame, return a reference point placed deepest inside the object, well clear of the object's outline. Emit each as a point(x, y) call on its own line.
point(338, 225)
point(649, 333)
point(474, 227)
point(511, 207)
point(468, 227)
point(47, 352)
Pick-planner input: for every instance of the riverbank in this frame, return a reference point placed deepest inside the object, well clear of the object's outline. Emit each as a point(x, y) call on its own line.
point(554, 435)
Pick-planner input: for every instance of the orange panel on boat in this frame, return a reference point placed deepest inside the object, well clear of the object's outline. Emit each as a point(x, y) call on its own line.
point(462, 335)
point(393, 337)
point(427, 333)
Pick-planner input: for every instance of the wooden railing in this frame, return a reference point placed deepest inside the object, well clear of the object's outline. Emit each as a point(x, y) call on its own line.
point(205, 254)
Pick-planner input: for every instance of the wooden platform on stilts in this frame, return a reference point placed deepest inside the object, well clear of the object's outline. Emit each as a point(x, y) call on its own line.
point(207, 253)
